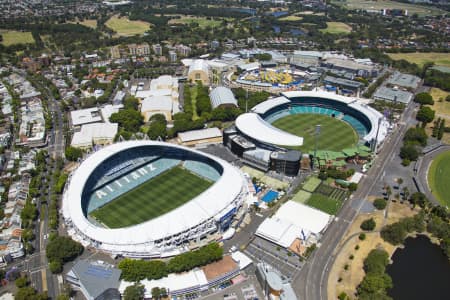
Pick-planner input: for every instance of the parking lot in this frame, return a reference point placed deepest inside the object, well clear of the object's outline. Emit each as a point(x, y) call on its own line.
point(261, 250)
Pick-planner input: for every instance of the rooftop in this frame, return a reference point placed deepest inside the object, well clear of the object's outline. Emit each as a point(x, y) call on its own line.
point(389, 94)
point(404, 80)
point(222, 95)
point(201, 134)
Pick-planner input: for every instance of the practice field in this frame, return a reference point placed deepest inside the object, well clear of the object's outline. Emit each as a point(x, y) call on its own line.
point(311, 184)
point(334, 135)
point(337, 28)
point(325, 204)
point(88, 23)
point(439, 59)
point(126, 27)
point(152, 199)
point(438, 178)
point(12, 37)
point(387, 4)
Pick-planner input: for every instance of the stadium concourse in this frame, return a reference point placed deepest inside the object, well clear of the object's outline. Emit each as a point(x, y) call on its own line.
point(120, 199)
point(369, 124)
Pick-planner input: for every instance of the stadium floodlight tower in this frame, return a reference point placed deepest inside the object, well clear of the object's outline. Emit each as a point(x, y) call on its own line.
point(317, 133)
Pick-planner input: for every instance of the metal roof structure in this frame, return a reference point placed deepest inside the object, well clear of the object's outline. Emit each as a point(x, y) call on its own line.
point(388, 94)
point(253, 126)
point(139, 240)
point(222, 96)
point(95, 278)
point(404, 80)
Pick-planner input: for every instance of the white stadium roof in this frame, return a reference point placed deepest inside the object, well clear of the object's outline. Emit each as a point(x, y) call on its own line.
point(252, 125)
point(267, 105)
point(139, 238)
point(373, 115)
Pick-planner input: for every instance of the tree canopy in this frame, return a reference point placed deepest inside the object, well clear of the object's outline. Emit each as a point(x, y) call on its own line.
point(73, 154)
point(424, 98)
point(129, 119)
point(425, 114)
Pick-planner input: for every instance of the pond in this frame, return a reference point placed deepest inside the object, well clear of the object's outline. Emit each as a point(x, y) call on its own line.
point(419, 271)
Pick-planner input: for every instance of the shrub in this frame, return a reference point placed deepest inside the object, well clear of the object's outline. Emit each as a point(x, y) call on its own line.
point(406, 162)
point(362, 236)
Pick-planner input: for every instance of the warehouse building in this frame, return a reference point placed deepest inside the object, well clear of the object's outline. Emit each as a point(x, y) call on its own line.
point(200, 137)
point(392, 95)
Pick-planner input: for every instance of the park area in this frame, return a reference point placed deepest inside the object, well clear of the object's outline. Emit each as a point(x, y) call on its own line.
point(202, 22)
point(151, 199)
point(438, 178)
point(291, 18)
point(88, 23)
point(125, 27)
point(442, 109)
point(336, 28)
point(335, 134)
point(421, 58)
point(420, 10)
point(12, 37)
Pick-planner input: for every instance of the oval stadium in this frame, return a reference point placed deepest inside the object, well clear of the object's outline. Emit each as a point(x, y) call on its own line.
point(151, 199)
point(349, 121)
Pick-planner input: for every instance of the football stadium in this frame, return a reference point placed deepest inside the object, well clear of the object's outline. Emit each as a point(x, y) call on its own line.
point(290, 121)
point(151, 199)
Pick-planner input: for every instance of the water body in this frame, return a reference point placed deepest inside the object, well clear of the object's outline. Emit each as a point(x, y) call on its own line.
point(420, 271)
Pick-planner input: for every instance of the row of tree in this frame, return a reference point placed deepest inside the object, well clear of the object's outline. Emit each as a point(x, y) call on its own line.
point(438, 128)
point(376, 282)
point(136, 270)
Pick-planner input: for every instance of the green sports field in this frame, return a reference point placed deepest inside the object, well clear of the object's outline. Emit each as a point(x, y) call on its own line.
point(325, 204)
point(438, 178)
point(335, 134)
point(151, 199)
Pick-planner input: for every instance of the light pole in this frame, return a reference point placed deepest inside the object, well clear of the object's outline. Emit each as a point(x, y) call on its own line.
point(317, 133)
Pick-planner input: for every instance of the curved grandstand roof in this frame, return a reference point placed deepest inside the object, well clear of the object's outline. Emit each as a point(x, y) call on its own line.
point(265, 106)
point(222, 95)
point(212, 202)
point(252, 125)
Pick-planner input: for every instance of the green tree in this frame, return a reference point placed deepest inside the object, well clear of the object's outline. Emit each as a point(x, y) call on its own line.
point(424, 98)
point(131, 102)
point(156, 293)
point(63, 248)
point(55, 266)
point(368, 224)
point(21, 282)
point(73, 153)
point(380, 203)
point(425, 115)
point(418, 198)
point(134, 292)
point(409, 152)
point(394, 233)
point(128, 119)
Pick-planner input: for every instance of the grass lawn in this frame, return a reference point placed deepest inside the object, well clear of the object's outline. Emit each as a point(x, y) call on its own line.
point(311, 184)
point(291, 18)
point(335, 134)
point(126, 27)
point(336, 28)
point(381, 4)
point(12, 37)
point(201, 21)
point(324, 203)
point(152, 199)
point(194, 93)
point(302, 196)
point(440, 59)
point(441, 106)
point(438, 178)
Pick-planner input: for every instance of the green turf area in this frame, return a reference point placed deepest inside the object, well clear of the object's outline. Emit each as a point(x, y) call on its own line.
point(12, 37)
point(438, 178)
point(125, 27)
point(201, 21)
point(337, 28)
point(334, 135)
point(419, 58)
point(311, 184)
point(324, 204)
point(152, 199)
point(302, 196)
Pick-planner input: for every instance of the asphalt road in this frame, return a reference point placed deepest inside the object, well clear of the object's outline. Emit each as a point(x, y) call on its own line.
point(311, 282)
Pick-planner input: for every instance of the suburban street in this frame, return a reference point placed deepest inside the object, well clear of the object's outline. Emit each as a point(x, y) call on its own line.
point(311, 281)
